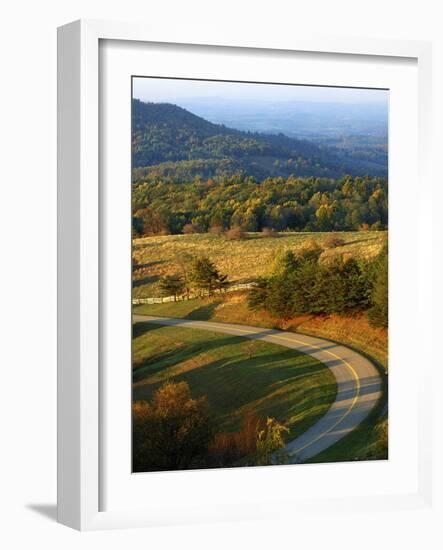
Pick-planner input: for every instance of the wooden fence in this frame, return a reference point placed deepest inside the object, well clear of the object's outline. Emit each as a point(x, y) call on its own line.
point(165, 299)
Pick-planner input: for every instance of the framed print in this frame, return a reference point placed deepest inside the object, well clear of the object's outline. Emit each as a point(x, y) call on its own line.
point(238, 231)
point(234, 220)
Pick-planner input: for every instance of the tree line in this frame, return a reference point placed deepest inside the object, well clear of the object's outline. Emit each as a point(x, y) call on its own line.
point(297, 204)
point(301, 284)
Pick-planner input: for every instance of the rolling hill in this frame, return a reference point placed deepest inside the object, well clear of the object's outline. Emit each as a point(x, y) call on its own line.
point(172, 142)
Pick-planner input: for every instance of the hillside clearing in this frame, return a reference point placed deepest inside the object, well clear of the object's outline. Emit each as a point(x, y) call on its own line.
point(242, 260)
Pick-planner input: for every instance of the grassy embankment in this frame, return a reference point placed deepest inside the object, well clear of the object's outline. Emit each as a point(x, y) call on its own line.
point(238, 375)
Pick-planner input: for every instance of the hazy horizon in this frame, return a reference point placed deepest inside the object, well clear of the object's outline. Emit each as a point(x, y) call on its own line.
point(314, 112)
point(167, 90)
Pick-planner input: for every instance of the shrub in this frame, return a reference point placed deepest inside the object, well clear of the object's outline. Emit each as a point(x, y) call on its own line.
point(270, 442)
point(235, 233)
point(216, 229)
point(190, 228)
point(334, 241)
point(269, 232)
point(229, 447)
point(259, 442)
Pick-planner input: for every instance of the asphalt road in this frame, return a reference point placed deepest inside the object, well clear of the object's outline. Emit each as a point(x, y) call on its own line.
point(358, 381)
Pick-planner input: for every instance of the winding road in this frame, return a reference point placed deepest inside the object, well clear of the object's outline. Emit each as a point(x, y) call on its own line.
point(358, 381)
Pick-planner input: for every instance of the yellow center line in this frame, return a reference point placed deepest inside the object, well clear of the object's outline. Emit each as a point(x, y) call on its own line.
point(313, 346)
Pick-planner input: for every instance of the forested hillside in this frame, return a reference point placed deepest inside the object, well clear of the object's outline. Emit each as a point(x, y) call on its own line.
point(172, 142)
point(298, 204)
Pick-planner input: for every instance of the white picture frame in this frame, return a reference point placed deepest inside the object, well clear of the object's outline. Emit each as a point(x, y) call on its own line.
point(79, 264)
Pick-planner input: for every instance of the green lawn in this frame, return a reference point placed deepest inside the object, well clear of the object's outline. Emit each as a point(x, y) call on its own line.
point(237, 374)
point(201, 309)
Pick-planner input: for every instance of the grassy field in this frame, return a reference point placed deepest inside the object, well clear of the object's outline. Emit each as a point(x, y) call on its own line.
point(232, 308)
point(241, 260)
point(238, 375)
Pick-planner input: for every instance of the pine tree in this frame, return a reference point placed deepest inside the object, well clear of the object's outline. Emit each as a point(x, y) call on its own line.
point(172, 285)
point(205, 275)
point(378, 313)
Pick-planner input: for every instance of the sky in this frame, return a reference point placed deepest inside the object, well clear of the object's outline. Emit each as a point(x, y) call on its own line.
point(172, 91)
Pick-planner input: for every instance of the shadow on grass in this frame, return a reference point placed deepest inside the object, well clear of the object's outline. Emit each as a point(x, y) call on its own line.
point(145, 281)
point(358, 241)
point(203, 313)
point(232, 381)
point(149, 264)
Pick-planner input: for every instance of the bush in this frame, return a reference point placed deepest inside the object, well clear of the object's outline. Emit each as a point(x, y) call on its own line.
point(173, 431)
point(216, 229)
point(190, 228)
point(270, 443)
point(229, 447)
point(258, 442)
point(235, 233)
point(269, 232)
point(334, 241)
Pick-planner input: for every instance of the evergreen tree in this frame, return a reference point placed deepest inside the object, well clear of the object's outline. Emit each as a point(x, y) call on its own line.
point(378, 313)
point(205, 275)
point(172, 285)
point(258, 294)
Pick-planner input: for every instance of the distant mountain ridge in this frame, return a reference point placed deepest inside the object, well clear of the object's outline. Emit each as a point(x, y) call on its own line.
point(171, 141)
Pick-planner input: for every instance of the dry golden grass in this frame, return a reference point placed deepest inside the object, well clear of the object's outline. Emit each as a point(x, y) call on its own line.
point(241, 260)
point(354, 331)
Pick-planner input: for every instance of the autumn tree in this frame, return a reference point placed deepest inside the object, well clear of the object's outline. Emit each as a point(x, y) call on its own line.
point(173, 431)
point(151, 221)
